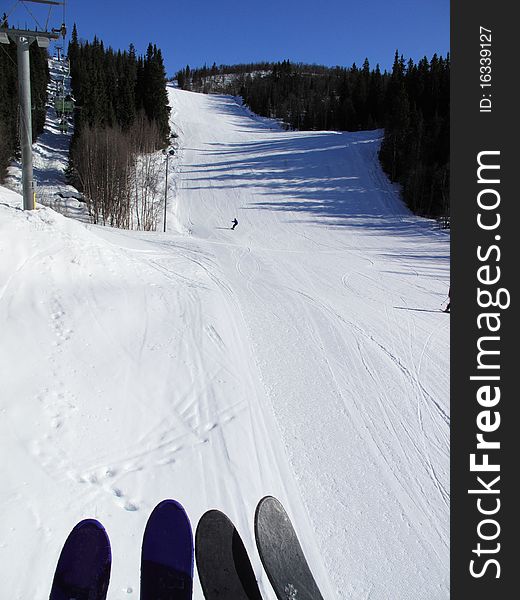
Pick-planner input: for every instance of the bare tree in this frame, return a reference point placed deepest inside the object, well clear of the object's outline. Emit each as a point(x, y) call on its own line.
point(4, 151)
point(104, 163)
point(120, 174)
point(147, 173)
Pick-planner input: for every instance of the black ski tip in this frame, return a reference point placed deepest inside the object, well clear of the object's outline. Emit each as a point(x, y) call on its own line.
point(224, 568)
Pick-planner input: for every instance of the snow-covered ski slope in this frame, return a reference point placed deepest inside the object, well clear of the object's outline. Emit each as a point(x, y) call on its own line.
point(302, 355)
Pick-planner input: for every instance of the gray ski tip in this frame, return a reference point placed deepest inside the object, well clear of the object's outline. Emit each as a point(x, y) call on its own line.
point(281, 553)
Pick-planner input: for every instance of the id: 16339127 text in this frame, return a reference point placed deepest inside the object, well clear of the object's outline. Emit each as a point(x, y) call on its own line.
point(485, 69)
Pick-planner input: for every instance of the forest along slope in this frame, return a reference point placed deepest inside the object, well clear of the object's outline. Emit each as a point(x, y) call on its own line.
point(302, 355)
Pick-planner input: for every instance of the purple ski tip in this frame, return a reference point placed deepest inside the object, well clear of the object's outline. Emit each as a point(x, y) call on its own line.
point(167, 554)
point(83, 570)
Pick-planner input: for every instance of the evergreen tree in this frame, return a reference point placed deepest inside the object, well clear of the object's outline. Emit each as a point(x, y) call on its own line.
point(154, 94)
point(125, 100)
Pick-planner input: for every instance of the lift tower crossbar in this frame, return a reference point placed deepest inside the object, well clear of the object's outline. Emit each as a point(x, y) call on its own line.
point(45, 2)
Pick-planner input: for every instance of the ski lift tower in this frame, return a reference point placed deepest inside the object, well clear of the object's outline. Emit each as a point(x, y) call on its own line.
point(23, 38)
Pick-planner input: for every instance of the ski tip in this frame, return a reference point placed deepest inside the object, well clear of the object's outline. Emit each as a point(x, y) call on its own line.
point(84, 562)
point(167, 517)
point(211, 515)
point(90, 528)
point(169, 505)
point(268, 500)
point(167, 554)
point(281, 553)
point(214, 513)
point(265, 505)
point(90, 524)
point(213, 520)
point(168, 536)
point(223, 563)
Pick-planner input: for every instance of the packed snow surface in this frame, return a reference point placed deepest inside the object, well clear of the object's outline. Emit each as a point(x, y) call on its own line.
point(302, 355)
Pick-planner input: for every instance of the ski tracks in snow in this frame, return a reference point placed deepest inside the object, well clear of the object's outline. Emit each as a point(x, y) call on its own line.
point(320, 297)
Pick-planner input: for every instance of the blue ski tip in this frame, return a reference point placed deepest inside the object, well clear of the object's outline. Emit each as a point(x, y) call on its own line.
point(167, 554)
point(83, 570)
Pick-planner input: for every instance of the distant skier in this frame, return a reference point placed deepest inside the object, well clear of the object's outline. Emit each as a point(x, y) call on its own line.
point(235, 223)
point(447, 309)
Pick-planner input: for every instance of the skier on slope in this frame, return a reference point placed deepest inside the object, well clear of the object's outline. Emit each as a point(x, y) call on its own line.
point(447, 309)
point(235, 223)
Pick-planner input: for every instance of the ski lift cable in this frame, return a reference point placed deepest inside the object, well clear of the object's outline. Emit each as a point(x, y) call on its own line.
point(32, 15)
point(51, 3)
point(10, 12)
point(8, 55)
point(48, 17)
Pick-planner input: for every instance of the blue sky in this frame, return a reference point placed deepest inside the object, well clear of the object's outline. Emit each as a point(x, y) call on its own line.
point(330, 32)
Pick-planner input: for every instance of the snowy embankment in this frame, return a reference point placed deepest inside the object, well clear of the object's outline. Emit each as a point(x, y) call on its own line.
point(302, 355)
